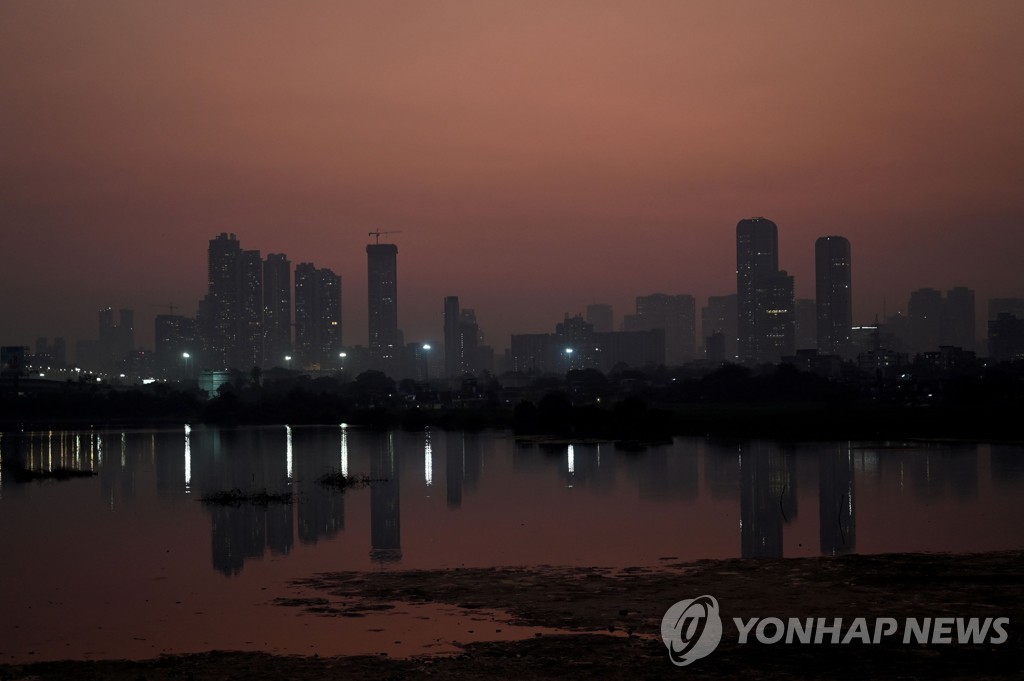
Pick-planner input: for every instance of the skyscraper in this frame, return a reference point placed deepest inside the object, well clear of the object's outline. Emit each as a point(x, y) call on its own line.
point(775, 318)
point(757, 273)
point(277, 309)
point(385, 339)
point(221, 306)
point(468, 342)
point(249, 350)
point(833, 294)
point(451, 336)
point(230, 319)
point(317, 316)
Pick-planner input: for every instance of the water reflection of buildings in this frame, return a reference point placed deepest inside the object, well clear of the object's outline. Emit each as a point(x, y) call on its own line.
point(461, 466)
point(45, 451)
point(768, 498)
point(1007, 466)
point(321, 509)
point(670, 473)
point(837, 526)
point(248, 460)
point(385, 513)
point(186, 463)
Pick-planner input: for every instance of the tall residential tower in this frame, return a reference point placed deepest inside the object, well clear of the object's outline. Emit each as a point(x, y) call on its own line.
point(317, 317)
point(385, 340)
point(833, 294)
point(765, 323)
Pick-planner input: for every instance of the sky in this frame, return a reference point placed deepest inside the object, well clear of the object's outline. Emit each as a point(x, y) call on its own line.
point(533, 157)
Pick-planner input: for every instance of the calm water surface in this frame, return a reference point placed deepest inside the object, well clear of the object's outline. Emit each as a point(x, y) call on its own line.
point(131, 564)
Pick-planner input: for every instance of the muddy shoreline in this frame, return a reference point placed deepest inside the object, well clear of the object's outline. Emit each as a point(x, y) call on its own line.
point(611, 620)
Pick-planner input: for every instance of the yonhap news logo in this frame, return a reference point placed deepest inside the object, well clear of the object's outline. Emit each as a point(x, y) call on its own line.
point(692, 629)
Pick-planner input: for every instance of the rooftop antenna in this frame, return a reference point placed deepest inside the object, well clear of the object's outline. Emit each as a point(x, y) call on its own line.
point(377, 234)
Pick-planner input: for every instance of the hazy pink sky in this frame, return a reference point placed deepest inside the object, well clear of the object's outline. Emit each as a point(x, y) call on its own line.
point(537, 156)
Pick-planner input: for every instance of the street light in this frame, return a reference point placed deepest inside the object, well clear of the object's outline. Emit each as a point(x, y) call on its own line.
point(426, 363)
point(288, 361)
point(188, 362)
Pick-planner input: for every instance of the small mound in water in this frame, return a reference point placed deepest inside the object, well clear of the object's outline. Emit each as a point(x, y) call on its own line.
point(339, 480)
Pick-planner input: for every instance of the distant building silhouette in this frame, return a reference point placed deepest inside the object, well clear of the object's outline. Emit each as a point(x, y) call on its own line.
point(175, 335)
point(318, 329)
point(1013, 306)
point(87, 354)
point(1006, 338)
point(277, 309)
point(958, 320)
point(385, 339)
point(601, 317)
point(575, 345)
point(936, 321)
point(50, 354)
point(764, 295)
point(719, 316)
point(925, 313)
point(116, 339)
point(676, 315)
point(833, 295)
point(805, 324)
point(462, 340)
point(714, 348)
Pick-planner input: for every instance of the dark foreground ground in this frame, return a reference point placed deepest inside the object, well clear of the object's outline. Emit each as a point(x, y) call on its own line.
point(626, 607)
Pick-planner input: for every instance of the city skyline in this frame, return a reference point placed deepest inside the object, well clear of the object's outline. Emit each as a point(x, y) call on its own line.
point(248, 317)
point(609, 160)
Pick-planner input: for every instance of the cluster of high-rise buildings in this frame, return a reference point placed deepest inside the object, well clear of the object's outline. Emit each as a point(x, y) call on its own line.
point(763, 322)
point(259, 313)
point(246, 318)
